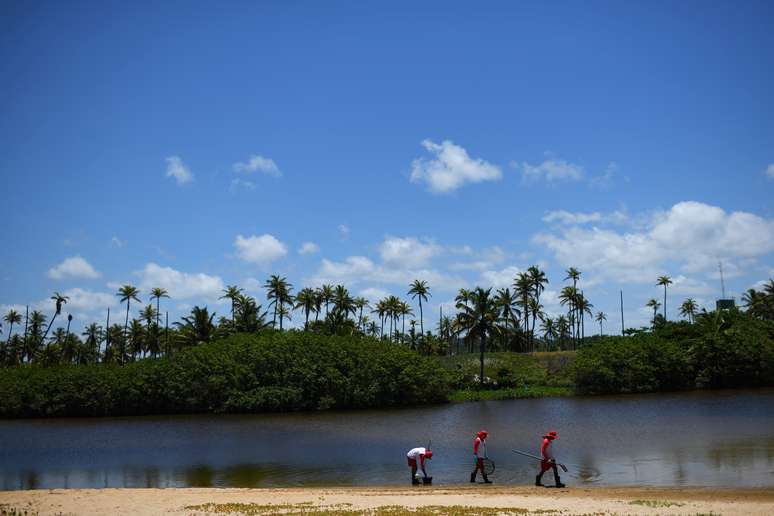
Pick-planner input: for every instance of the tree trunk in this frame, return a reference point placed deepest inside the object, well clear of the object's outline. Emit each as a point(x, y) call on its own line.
point(421, 318)
point(49, 327)
point(483, 344)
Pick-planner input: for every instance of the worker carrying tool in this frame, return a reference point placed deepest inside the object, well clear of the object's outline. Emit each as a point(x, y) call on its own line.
point(479, 454)
point(548, 462)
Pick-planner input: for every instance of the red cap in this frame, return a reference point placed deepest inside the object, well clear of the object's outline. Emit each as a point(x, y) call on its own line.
point(429, 454)
point(483, 434)
point(551, 435)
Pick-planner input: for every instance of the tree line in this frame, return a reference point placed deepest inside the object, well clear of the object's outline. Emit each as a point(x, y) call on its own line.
point(508, 319)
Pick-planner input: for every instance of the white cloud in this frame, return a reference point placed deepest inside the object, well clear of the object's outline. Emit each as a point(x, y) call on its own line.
point(451, 168)
point(502, 278)
point(238, 183)
point(359, 269)
point(73, 267)
point(87, 300)
point(374, 294)
point(180, 285)
point(606, 177)
point(691, 234)
point(407, 252)
point(552, 169)
point(575, 218)
point(116, 242)
point(343, 231)
point(569, 218)
point(258, 163)
point(485, 259)
point(177, 169)
point(770, 171)
point(308, 248)
point(261, 250)
point(690, 286)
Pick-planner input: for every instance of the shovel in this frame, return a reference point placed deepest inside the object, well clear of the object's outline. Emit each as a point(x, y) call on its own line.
point(564, 468)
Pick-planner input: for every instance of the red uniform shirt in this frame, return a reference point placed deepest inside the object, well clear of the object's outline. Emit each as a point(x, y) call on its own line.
point(545, 449)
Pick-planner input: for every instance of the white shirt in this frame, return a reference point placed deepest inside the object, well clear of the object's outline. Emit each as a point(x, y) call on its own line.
point(415, 453)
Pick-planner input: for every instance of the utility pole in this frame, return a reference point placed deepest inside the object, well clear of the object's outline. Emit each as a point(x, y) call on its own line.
point(622, 317)
point(107, 333)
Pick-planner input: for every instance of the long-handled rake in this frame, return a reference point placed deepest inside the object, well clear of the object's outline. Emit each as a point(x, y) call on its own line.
point(564, 468)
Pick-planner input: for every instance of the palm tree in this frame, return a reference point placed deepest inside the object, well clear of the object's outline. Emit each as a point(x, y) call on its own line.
point(574, 274)
point(523, 290)
point(284, 313)
point(326, 293)
point(569, 296)
point(60, 300)
point(419, 289)
point(664, 280)
point(537, 313)
point(136, 339)
point(562, 328)
point(306, 300)
point(480, 319)
point(506, 301)
point(149, 315)
point(404, 309)
point(343, 306)
point(380, 310)
point(360, 303)
point(655, 305)
point(36, 322)
point(601, 317)
point(689, 309)
point(93, 333)
point(548, 327)
point(584, 307)
point(197, 327)
point(231, 292)
point(278, 292)
point(539, 281)
point(12, 317)
point(127, 293)
point(157, 293)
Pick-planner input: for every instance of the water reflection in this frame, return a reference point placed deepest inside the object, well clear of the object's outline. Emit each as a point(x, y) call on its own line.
point(715, 439)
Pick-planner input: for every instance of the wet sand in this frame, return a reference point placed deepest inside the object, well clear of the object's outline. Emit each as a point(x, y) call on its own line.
point(398, 500)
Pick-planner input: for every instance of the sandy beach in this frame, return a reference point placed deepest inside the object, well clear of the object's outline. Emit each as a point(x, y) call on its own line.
point(462, 500)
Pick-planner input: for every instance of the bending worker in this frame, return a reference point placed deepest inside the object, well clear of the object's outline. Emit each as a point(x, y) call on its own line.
point(418, 454)
point(548, 461)
point(479, 453)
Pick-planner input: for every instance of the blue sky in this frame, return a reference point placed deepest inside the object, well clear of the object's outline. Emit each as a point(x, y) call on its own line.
point(193, 145)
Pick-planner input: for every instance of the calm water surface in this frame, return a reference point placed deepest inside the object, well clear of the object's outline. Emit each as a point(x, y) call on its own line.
point(720, 438)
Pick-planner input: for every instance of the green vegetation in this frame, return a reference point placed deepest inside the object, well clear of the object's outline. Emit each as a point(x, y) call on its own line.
point(491, 348)
point(727, 348)
point(270, 371)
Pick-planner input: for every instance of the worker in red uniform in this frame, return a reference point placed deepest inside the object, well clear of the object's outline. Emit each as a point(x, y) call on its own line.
point(419, 454)
point(479, 453)
point(548, 461)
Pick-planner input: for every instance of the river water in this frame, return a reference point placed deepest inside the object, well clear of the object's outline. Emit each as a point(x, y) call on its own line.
point(718, 438)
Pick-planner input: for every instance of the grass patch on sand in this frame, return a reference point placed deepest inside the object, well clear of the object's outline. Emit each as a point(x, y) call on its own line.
point(254, 509)
point(656, 504)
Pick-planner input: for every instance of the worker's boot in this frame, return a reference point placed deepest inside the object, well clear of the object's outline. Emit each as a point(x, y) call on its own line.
point(558, 480)
point(537, 480)
point(473, 477)
point(414, 481)
point(486, 480)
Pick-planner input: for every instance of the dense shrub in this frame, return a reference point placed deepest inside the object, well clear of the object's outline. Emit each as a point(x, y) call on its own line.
point(243, 373)
point(723, 349)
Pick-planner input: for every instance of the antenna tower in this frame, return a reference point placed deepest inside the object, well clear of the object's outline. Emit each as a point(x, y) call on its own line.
point(722, 282)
